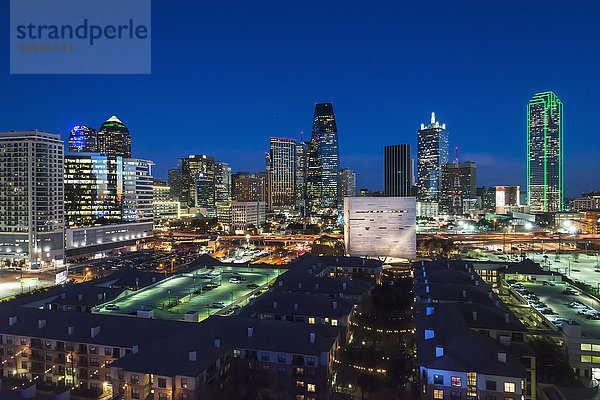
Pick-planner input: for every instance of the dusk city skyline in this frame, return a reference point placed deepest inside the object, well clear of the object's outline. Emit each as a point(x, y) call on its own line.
point(230, 95)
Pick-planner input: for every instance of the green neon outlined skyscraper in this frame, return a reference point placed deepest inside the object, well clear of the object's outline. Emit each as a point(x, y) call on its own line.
point(545, 153)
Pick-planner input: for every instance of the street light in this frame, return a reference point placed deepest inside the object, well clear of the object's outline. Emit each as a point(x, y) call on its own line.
point(570, 258)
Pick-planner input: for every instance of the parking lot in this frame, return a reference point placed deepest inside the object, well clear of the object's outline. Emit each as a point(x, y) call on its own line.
point(172, 298)
point(563, 305)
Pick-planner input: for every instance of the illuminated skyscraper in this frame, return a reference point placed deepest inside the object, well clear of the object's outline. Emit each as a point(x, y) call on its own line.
point(459, 183)
point(302, 153)
point(281, 172)
point(432, 154)
point(114, 139)
point(222, 181)
point(397, 170)
point(249, 187)
point(323, 160)
point(191, 166)
point(544, 153)
point(83, 139)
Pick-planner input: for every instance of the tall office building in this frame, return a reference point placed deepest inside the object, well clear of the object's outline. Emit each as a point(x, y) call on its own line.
point(222, 181)
point(545, 153)
point(114, 138)
point(249, 187)
point(83, 139)
point(432, 154)
point(347, 183)
point(191, 166)
point(302, 153)
point(281, 173)
point(175, 183)
point(31, 198)
point(459, 183)
point(204, 188)
point(323, 160)
point(397, 170)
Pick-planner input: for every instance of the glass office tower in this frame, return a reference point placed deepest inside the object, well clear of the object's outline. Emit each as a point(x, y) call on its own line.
point(323, 160)
point(281, 172)
point(83, 139)
point(545, 153)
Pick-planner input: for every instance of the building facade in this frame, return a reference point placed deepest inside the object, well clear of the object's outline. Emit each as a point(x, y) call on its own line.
point(432, 155)
point(249, 187)
point(545, 153)
point(323, 160)
point(380, 226)
point(114, 138)
point(222, 181)
point(247, 213)
point(398, 172)
point(32, 217)
point(190, 167)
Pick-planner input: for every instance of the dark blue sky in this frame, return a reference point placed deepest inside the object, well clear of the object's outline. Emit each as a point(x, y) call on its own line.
point(226, 76)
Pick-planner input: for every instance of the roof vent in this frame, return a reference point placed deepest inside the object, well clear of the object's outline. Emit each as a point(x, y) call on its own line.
point(439, 351)
point(474, 315)
point(334, 305)
point(295, 306)
point(464, 293)
point(250, 331)
point(41, 323)
point(299, 285)
point(274, 304)
point(95, 331)
point(490, 294)
point(506, 317)
point(343, 285)
point(281, 283)
point(63, 295)
point(504, 340)
point(316, 286)
point(502, 357)
point(476, 283)
point(70, 330)
point(192, 356)
point(80, 296)
point(217, 343)
point(12, 320)
point(312, 337)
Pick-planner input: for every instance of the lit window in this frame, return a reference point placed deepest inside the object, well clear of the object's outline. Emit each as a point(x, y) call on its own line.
point(509, 387)
point(438, 379)
point(586, 359)
point(299, 384)
point(596, 347)
point(438, 394)
point(586, 347)
point(596, 359)
point(311, 387)
point(456, 381)
point(311, 320)
point(334, 322)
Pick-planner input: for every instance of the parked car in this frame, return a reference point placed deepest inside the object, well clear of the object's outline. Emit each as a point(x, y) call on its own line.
point(112, 307)
point(218, 304)
point(252, 286)
point(235, 280)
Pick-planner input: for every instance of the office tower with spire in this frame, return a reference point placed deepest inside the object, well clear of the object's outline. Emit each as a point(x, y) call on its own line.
point(398, 173)
point(114, 139)
point(323, 160)
point(432, 155)
point(83, 139)
point(545, 153)
point(281, 173)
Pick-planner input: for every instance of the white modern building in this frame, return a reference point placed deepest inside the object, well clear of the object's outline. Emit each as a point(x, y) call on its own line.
point(100, 240)
point(31, 198)
point(380, 226)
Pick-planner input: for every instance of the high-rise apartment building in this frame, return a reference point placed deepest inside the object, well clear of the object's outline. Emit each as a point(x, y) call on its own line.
point(114, 138)
point(459, 183)
point(323, 160)
point(432, 154)
point(545, 153)
point(347, 183)
point(281, 173)
point(31, 198)
point(249, 187)
point(83, 139)
point(191, 166)
point(397, 170)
